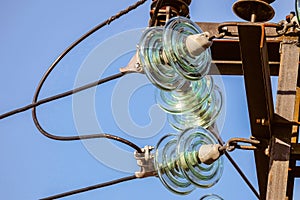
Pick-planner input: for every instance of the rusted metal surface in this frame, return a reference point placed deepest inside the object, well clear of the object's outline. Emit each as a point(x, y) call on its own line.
point(241, 143)
point(227, 61)
point(296, 172)
point(162, 11)
point(232, 30)
point(285, 108)
point(295, 151)
point(226, 57)
point(254, 56)
point(253, 10)
point(226, 52)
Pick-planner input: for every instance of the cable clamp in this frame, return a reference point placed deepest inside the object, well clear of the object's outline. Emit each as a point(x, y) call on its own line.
point(134, 66)
point(209, 153)
point(146, 161)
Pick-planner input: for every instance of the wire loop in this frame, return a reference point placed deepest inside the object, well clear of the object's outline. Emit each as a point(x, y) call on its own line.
point(37, 102)
point(224, 28)
point(89, 188)
point(54, 64)
point(240, 143)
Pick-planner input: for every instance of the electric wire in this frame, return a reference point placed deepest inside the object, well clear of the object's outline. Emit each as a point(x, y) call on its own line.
point(36, 103)
point(81, 137)
point(235, 165)
point(63, 54)
point(54, 64)
point(238, 169)
point(61, 95)
point(244, 177)
point(92, 187)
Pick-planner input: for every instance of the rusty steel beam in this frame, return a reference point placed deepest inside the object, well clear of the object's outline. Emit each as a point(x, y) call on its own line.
point(296, 172)
point(285, 108)
point(226, 57)
point(226, 51)
point(295, 149)
point(258, 64)
point(254, 56)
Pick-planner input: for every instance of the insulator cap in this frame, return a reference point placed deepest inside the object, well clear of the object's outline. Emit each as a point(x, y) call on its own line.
point(192, 67)
point(246, 9)
point(198, 43)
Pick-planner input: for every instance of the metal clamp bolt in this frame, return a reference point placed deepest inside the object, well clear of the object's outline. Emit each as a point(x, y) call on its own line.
point(146, 161)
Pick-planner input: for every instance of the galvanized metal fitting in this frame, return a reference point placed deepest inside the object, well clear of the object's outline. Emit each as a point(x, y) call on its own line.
point(146, 161)
point(134, 66)
point(209, 153)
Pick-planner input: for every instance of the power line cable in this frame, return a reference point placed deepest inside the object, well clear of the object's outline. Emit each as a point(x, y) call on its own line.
point(54, 64)
point(61, 95)
point(241, 173)
point(81, 137)
point(235, 165)
point(93, 187)
point(239, 170)
point(63, 54)
point(36, 103)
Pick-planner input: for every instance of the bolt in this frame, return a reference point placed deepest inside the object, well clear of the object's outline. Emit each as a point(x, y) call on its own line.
point(267, 151)
point(262, 122)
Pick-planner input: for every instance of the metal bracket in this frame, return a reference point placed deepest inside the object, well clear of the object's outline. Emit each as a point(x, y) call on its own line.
point(146, 161)
point(134, 65)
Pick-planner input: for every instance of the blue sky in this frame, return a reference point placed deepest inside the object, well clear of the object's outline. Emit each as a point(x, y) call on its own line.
point(33, 33)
